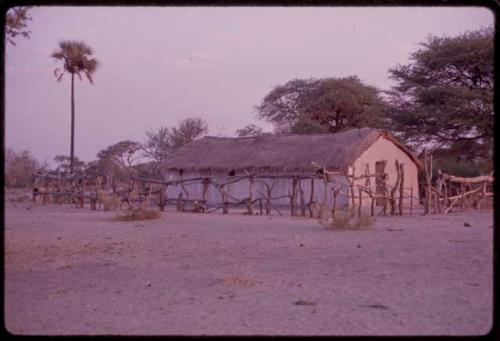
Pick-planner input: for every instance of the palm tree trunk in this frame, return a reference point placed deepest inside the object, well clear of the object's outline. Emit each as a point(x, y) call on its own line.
point(72, 122)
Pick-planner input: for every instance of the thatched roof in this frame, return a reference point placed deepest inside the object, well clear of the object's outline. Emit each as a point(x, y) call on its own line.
point(286, 153)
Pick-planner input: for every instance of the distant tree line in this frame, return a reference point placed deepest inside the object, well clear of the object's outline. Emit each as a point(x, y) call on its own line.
point(121, 160)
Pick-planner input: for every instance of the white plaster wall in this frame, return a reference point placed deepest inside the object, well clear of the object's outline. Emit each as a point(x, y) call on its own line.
point(384, 149)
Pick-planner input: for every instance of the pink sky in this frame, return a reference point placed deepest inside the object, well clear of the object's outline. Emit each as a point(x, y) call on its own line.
point(160, 65)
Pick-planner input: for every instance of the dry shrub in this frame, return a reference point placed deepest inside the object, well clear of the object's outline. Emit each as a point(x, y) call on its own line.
point(349, 220)
point(138, 214)
point(239, 281)
point(109, 201)
point(321, 211)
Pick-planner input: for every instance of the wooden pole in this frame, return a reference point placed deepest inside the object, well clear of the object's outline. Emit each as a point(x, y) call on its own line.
point(351, 183)
point(445, 201)
point(436, 209)
point(311, 198)
point(225, 209)
point(335, 194)
point(269, 189)
point(369, 188)
point(260, 206)
point(360, 203)
point(401, 187)
point(293, 197)
point(180, 207)
point(302, 200)
point(206, 181)
point(250, 198)
point(392, 199)
point(411, 200)
point(428, 174)
point(161, 199)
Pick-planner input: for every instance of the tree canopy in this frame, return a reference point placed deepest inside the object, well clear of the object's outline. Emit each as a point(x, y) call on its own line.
point(322, 105)
point(76, 57)
point(444, 96)
point(19, 168)
point(164, 140)
point(16, 23)
point(124, 153)
point(64, 164)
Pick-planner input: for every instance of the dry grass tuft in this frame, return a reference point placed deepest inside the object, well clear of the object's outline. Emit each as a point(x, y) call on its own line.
point(138, 214)
point(349, 220)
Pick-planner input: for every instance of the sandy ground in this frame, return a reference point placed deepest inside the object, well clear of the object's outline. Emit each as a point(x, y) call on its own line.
point(74, 271)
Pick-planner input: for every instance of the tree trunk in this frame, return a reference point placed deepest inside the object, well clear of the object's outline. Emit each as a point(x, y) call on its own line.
point(72, 151)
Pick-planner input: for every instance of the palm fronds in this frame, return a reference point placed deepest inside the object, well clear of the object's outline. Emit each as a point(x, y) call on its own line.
point(76, 57)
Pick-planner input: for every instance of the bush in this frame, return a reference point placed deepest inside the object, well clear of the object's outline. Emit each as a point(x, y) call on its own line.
point(349, 220)
point(138, 214)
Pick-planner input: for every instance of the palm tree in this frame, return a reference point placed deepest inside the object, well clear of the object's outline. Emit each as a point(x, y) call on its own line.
point(76, 57)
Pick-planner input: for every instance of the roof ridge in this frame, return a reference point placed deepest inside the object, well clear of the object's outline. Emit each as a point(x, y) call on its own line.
point(289, 134)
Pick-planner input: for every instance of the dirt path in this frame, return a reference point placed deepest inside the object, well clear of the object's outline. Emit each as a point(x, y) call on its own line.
point(72, 271)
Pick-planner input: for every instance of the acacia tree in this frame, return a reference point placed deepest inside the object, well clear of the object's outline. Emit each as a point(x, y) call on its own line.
point(123, 153)
point(322, 105)
point(444, 96)
point(76, 57)
point(64, 164)
point(16, 23)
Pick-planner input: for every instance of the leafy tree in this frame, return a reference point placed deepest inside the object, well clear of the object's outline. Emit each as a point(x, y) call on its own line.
point(250, 130)
point(187, 131)
point(123, 153)
point(118, 160)
point(165, 140)
point(16, 23)
point(76, 57)
point(19, 168)
point(444, 96)
point(322, 105)
point(64, 164)
point(158, 145)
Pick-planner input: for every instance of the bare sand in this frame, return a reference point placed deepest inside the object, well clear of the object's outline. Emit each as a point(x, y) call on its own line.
point(75, 271)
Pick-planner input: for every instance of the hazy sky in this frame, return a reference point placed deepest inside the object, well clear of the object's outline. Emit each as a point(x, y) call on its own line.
point(160, 65)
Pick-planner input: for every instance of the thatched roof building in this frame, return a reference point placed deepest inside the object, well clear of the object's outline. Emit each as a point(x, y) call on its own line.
point(278, 153)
